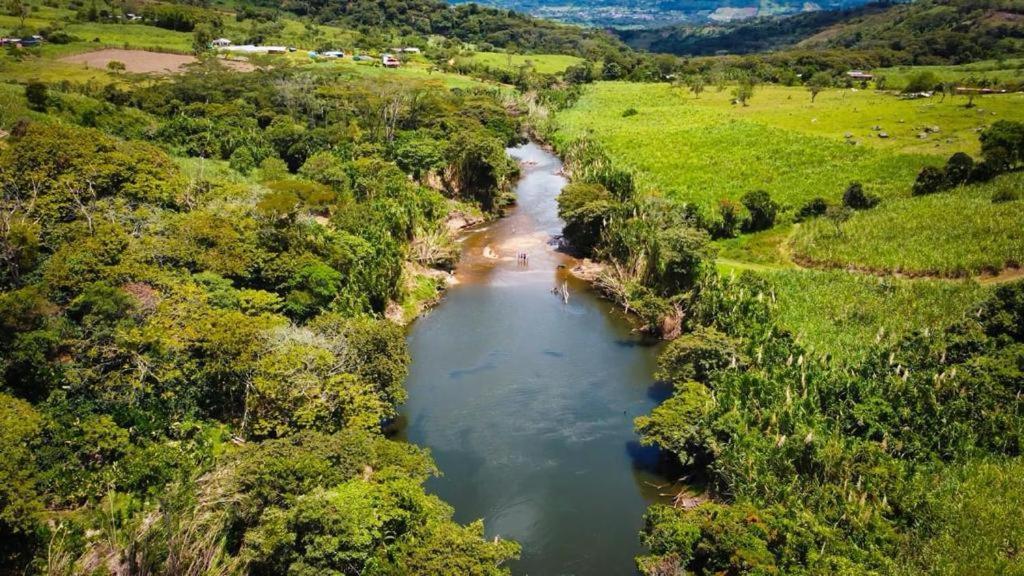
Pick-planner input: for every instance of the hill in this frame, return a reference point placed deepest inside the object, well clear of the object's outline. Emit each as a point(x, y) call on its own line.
point(633, 14)
point(925, 32)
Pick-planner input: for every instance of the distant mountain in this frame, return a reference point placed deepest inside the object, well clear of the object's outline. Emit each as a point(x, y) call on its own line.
point(922, 32)
point(656, 13)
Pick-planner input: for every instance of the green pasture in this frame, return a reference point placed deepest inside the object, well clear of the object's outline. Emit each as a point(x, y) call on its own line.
point(701, 151)
point(542, 63)
point(956, 233)
point(842, 313)
point(864, 114)
point(996, 71)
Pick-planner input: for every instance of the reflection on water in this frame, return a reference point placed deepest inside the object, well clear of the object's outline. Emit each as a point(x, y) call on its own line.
point(527, 403)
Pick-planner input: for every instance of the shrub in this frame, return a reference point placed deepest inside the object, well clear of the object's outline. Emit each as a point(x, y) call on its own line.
point(1003, 144)
point(37, 95)
point(814, 207)
point(929, 181)
point(921, 82)
point(959, 169)
point(731, 219)
point(762, 210)
point(856, 198)
point(586, 209)
point(629, 112)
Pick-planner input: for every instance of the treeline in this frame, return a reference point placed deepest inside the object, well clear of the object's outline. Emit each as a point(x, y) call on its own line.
point(470, 23)
point(195, 368)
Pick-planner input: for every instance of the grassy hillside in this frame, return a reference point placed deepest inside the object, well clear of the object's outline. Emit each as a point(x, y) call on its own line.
point(542, 63)
point(957, 233)
point(705, 149)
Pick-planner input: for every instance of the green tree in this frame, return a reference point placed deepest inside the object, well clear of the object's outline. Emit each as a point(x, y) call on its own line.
point(762, 210)
point(202, 37)
point(744, 91)
point(819, 83)
point(696, 83)
point(37, 95)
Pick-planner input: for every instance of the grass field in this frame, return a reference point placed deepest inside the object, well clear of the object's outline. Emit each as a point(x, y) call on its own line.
point(841, 313)
point(956, 233)
point(1009, 70)
point(542, 63)
point(703, 150)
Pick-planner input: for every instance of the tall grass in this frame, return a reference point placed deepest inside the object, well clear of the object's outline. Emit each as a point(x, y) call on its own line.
point(696, 152)
point(841, 313)
point(956, 233)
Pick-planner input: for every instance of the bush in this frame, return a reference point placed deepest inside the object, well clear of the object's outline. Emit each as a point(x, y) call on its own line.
point(811, 209)
point(586, 209)
point(929, 181)
point(959, 169)
point(629, 112)
point(854, 197)
point(762, 210)
point(921, 82)
point(1002, 144)
point(731, 219)
point(37, 95)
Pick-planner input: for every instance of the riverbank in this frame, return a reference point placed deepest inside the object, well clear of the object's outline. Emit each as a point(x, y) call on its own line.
point(527, 402)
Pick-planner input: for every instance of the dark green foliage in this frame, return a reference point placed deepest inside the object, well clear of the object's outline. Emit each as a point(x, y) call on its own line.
point(696, 356)
point(857, 199)
point(762, 211)
point(1002, 144)
point(731, 218)
point(959, 169)
point(929, 181)
point(37, 95)
point(823, 467)
point(811, 209)
point(199, 363)
point(586, 210)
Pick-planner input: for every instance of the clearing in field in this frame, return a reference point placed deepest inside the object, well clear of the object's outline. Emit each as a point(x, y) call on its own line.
point(144, 62)
point(542, 63)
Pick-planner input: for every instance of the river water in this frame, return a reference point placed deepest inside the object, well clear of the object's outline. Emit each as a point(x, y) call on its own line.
point(527, 403)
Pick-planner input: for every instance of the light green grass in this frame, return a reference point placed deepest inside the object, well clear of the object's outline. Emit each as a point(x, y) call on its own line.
point(955, 233)
point(837, 112)
point(542, 63)
point(997, 71)
point(132, 36)
point(703, 151)
point(842, 313)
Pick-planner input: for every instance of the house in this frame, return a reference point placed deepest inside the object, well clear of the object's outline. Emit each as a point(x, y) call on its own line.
point(409, 50)
point(221, 43)
point(333, 54)
point(390, 61)
point(362, 58)
point(859, 75)
point(132, 17)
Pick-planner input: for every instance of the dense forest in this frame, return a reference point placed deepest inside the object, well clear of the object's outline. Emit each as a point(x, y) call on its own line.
point(203, 277)
point(196, 368)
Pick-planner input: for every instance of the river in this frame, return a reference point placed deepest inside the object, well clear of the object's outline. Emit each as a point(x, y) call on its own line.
point(527, 403)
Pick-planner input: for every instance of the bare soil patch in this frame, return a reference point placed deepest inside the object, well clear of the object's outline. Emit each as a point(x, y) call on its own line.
point(144, 62)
